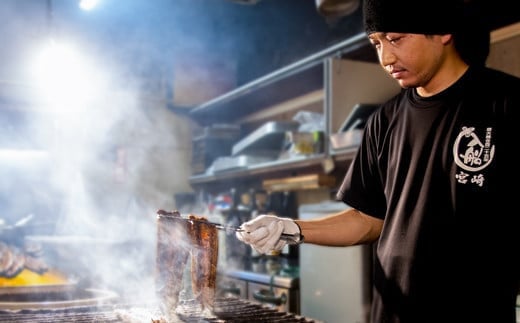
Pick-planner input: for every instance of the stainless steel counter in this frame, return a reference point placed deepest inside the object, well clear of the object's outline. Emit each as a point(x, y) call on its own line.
point(273, 281)
point(264, 278)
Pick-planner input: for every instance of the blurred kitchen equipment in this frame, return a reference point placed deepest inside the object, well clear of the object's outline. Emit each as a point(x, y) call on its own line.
point(236, 251)
point(16, 232)
point(303, 143)
point(283, 298)
point(311, 181)
point(322, 285)
point(351, 131)
point(95, 262)
point(270, 285)
point(226, 163)
point(185, 201)
point(214, 141)
point(267, 140)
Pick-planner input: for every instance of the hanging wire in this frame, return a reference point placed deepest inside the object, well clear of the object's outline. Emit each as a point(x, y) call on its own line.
point(50, 18)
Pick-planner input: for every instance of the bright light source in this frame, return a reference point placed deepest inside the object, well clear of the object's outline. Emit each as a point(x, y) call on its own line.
point(63, 75)
point(88, 4)
point(17, 155)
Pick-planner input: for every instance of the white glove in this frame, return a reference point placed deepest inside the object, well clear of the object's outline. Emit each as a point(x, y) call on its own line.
point(263, 233)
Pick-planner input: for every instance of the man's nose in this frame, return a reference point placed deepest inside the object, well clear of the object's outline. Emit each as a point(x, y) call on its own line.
point(386, 56)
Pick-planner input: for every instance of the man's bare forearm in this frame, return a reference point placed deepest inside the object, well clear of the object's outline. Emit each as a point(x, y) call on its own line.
point(346, 228)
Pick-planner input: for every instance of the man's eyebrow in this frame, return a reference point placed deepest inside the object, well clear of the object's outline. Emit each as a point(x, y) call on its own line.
point(380, 34)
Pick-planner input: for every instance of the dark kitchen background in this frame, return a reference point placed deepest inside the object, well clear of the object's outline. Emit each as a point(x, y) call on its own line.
point(94, 142)
point(146, 39)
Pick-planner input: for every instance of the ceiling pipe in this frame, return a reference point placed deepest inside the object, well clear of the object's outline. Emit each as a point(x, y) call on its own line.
point(245, 2)
point(335, 9)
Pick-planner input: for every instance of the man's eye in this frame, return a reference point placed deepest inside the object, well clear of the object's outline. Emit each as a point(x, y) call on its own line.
point(375, 43)
point(393, 39)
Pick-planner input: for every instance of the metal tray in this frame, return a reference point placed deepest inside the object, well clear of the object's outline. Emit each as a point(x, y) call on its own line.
point(43, 288)
point(266, 140)
point(28, 282)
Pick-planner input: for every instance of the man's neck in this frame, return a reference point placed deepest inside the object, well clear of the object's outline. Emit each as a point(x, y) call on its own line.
point(451, 70)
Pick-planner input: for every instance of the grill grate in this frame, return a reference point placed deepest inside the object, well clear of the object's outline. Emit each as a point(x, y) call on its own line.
point(235, 310)
point(73, 314)
point(227, 310)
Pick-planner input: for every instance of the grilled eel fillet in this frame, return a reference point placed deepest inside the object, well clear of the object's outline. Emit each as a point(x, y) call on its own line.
point(204, 257)
point(173, 249)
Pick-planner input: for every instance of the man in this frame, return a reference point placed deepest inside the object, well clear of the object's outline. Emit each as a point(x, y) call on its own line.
point(433, 176)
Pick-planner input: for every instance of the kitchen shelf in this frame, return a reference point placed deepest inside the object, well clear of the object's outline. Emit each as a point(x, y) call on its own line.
point(279, 86)
point(271, 168)
point(330, 82)
point(344, 154)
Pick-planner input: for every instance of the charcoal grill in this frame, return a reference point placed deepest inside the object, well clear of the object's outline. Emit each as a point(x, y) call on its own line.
point(227, 310)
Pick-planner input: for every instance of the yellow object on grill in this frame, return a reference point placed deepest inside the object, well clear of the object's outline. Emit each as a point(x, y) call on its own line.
point(31, 278)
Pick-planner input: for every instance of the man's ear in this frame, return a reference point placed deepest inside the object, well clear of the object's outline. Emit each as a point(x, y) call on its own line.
point(446, 38)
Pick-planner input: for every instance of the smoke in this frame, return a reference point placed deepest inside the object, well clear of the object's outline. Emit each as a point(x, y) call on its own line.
point(113, 152)
point(110, 158)
point(98, 150)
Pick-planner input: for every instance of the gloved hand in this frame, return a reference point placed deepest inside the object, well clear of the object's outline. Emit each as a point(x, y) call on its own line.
point(263, 233)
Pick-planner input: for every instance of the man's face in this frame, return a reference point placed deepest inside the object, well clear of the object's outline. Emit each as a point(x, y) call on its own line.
point(411, 59)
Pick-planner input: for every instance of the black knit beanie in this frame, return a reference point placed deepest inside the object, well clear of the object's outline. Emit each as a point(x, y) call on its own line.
point(433, 17)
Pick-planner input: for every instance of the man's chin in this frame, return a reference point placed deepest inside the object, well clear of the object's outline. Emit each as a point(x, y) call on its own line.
point(404, 84)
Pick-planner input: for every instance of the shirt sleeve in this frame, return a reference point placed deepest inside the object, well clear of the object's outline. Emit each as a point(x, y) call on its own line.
point(363, 187)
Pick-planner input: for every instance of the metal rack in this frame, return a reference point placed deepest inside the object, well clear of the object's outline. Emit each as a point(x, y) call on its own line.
point(297, 79)
point(280, 85)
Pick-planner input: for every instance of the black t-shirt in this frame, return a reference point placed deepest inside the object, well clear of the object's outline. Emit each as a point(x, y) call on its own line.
point(441, 172)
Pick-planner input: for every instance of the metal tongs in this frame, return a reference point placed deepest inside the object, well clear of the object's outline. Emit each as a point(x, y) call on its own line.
point(291, 238)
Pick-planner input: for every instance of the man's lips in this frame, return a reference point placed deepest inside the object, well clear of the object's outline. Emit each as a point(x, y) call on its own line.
point(397, 73)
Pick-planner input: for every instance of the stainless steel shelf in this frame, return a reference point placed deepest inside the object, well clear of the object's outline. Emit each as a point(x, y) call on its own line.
point(277, 86)
point(344, 154)
point(319, 161)
point(262, 169)
point(289, 82)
